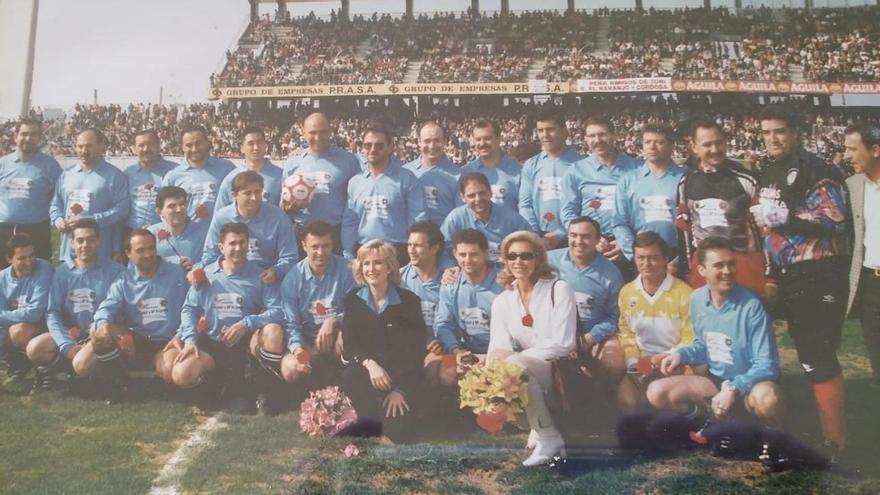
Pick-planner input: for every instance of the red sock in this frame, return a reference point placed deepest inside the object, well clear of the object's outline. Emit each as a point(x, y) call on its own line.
point(830, 399)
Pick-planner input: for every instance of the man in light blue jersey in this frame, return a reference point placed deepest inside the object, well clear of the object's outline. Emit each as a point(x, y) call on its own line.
point(540, 189)
point(465, 306)
point(200, 175)
point(313, 313)
point(138, 319)
point(78, 288)
point(590, 187)
point(145, 179)
point(254, 147)
point(733, 335)
point(596, 283)
point(502, 171)
point(271, 241)
point(436, 172)
point(178, 240)
point(27, 184)
point(24, 295)
point(329, 168)
point(383, 200)
point(233, 310)
point(91, 188)
point(495, 221)
point(646, 199)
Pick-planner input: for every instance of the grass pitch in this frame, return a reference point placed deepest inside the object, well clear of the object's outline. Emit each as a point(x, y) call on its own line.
point(57, 443)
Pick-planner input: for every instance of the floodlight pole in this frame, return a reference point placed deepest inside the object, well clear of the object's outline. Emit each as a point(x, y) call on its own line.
point(29, 66)
point(344, 10)
point(409, 8)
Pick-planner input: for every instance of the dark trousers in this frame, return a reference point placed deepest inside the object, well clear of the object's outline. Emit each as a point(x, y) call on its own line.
point(367, 401)
point(40, 232)
point(869, 292)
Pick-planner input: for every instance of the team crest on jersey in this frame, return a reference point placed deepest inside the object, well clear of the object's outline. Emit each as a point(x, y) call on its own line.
point(792, 176)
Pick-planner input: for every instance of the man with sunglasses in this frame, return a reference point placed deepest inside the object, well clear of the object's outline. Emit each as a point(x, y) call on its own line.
point(383, 200)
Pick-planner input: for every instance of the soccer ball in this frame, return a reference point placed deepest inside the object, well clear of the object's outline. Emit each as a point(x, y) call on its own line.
point(297, 192)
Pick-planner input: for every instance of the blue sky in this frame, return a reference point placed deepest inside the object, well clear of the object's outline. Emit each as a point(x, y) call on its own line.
point(127, 49)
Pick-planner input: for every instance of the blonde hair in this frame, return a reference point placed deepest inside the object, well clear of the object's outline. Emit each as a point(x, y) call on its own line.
point(543, 269)
point(389, 256)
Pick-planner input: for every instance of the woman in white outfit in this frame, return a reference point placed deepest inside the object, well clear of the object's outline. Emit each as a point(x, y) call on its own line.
point(533, 322)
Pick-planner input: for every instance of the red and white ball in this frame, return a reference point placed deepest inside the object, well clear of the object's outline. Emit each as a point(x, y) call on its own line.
point(297, 191)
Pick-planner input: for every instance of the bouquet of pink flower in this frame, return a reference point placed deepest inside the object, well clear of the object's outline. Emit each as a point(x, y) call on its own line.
point(326, 411)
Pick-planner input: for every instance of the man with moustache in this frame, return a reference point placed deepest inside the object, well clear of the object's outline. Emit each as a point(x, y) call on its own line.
point(801, 212)
point(200, 175)
point(92, 188)
point(540, 190)
point(502, 171)
point(590, 187)
point(329, 168)
point(27, 184)
point(145, 179)
point(436, 173)
point(254, 147)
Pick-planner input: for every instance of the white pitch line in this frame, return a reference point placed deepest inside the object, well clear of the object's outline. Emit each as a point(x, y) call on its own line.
point(166, 482)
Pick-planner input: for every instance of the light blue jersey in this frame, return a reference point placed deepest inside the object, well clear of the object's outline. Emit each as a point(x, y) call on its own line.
point(596, 288)
point(272, 176)
point(503, 179)
point(201, 186)
point(540, 190)
point(381, 207)
point(502, 221)
point(646, 202)
point(75, 297)
point(27, 187)
point(150, 306)
point(735, 340)
point(330, 173)
point(440, 185)
point(225, 299)
point(143, 187)
point(589, 189)
point(100, 193)
point(189, 244)
point(24, 299)
point(309, 300)
point(428, 292)
point(464, 313)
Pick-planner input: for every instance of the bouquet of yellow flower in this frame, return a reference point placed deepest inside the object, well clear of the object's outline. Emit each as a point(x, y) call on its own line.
point(496, 392)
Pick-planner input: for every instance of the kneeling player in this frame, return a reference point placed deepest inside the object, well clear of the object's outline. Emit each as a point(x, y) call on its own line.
point(78, 287)
point(654, 317)
point(733, 336)
point(138, 319)
point(24, 294)
point(221, 314)
point(465, 307)
point(314, 291)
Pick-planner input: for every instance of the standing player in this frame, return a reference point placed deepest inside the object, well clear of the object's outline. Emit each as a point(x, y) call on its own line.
point(145, 179)
point(27, 184)
point(714, 200)
point(802, 215)
point(24, 296)
point(271, 243)
point(92, 188)
point(590, 187)
point(254, 147)
point(646, 199)
point(141, 313)
point(383, 200)
point(540, 190)
point(502, 171)
point(478, 212)
point(79, 286)
point(179, 241)
point(237, 308)
point(329, 168)
point(436, 173)
point(200, 174)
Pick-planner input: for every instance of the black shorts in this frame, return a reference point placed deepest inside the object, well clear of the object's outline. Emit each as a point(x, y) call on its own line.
point(145, 349)
point(229, 361)
point(812, 298)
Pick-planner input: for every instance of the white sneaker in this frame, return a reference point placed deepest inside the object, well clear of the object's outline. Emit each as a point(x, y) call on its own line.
point(545, 450)
point(533, 439)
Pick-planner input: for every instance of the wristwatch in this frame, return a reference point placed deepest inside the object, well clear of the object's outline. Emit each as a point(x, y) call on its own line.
point(728, 386)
